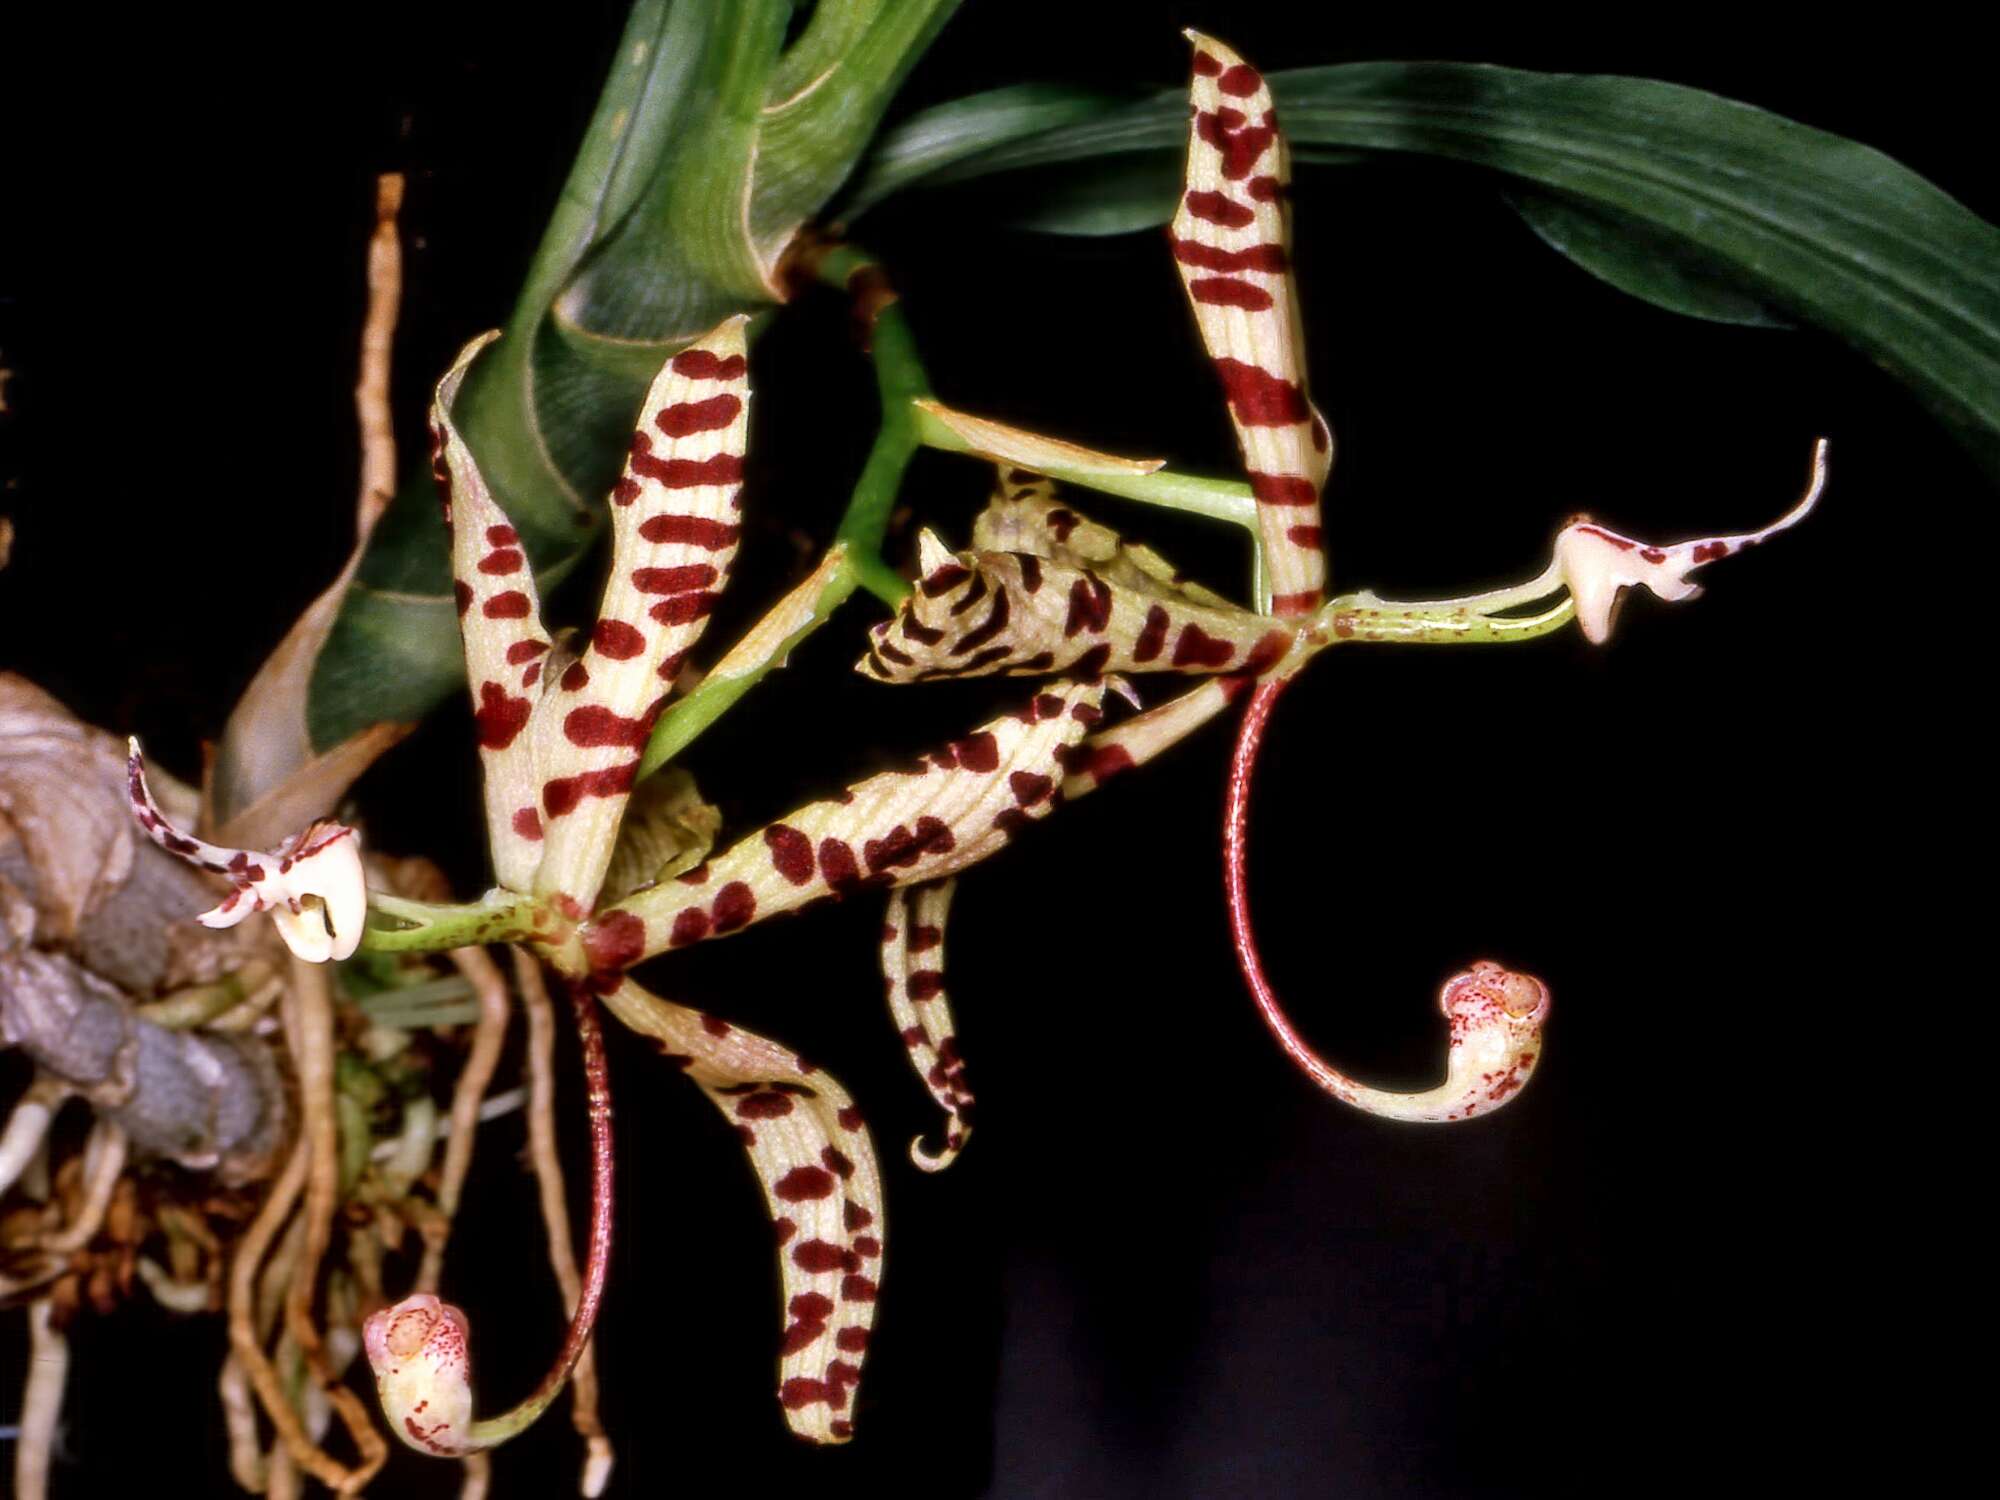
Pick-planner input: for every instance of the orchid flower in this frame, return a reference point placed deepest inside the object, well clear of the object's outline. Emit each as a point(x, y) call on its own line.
point(1599, 565)
point(312, 884)
point(562, 745)
point(1043, 588)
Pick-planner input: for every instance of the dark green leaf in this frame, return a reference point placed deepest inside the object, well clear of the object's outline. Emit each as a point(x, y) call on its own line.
point(1800, 225)
point(711, 145)
point(936, 138)
point(1633, 257)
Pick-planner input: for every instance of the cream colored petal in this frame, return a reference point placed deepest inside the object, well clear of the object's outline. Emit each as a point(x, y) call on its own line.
point(813, 1156)
point(929, 818)
point(1231, 239)
point(676, 521)
point(977, 613)
point(1026, 515)
point(913, 975)
point(500, 623)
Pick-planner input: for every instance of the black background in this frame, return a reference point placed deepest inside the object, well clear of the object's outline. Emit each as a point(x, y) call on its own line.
point(1165, 1266)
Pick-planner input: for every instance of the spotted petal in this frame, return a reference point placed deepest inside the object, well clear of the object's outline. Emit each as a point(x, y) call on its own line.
point(976, 613)
point(1024, 514)
point(1114, 751)
point(913, 975)
point(922, 821)
point(1231, 238)
point(312, 883)
point(500, 622)
point(811, 1152)
point(676, 524)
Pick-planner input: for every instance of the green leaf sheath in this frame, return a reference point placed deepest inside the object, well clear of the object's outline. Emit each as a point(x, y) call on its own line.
point(711, 145)
point(1694, 202)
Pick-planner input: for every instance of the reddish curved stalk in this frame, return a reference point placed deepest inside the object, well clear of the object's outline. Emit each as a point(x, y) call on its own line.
point(418, 1346)
point(1235, 854)
point(597, 1257)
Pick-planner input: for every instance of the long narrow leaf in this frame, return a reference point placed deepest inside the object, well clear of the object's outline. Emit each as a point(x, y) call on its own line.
point(1727, 206)
point(712, 144)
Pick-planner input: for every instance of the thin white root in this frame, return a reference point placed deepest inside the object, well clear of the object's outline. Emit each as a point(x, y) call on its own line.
point(245, 1015)
point(41, 1402)
point(28, 1127)
point(494, 1107)
point(239, 1420)
point(103, 1161)
point(174, 1296)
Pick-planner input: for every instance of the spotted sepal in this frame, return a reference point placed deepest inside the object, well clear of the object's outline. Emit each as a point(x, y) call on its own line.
point(1599, 565)
point(500, 621)
point(1123, 747)
point(312, 884)
point(913, 976)
point(1025, 515)
point(1231, 239)
point(977, 613)
point(817, 1165)
point(931, 817)
point(676, 521)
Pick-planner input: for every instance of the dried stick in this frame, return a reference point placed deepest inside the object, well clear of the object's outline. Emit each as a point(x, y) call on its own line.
point(103, 1161)
point(41, 1401)
point(491, 1031)
point(309, 1032)
point(378, 338)
point(555, 1210)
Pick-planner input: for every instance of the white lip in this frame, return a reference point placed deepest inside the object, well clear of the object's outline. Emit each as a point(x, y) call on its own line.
point(318, 898)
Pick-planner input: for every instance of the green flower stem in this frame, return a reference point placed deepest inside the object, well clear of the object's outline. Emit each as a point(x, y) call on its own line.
point(430, 927)
point(1221, 499)
point(1362, 617)
point(597, 1261)
point(899, 380)
point(768, 645)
